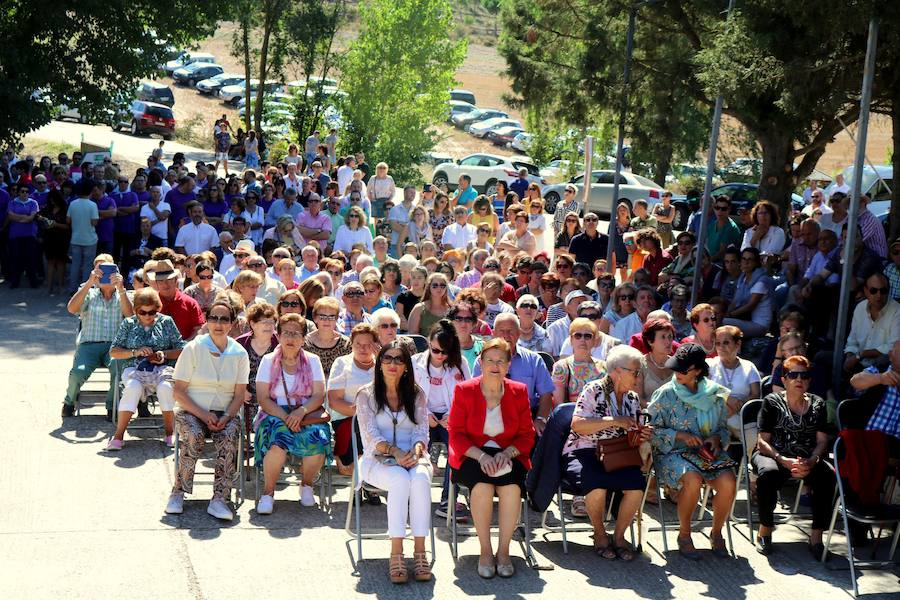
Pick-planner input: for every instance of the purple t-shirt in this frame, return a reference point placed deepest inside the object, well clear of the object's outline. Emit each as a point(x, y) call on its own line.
point(126, 223)
point(23, 230)
point(40, 197)
point(105, 226)
point(143, 198)
point(4, 206)
point(265, 204)
point(178, 201)
point(216, 210)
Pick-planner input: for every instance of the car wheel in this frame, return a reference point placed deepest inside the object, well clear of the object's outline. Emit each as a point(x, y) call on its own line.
point(439, 179)
point(490, 187)
point(235, 101)
point(168, 136)
point(681, 217)
point(550, 202)
point(82, 119)
point(135, 130)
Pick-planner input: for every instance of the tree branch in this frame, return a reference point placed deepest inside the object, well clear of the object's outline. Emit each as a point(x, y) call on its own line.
point(826, 133)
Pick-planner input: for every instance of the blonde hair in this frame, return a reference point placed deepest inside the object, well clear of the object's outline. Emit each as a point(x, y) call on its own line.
point(245, 278)
point(583, 322)
point(146, 297)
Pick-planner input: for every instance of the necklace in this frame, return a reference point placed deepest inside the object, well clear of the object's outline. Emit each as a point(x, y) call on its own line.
point(798, 420)
point(727, 374)
point(653, 361)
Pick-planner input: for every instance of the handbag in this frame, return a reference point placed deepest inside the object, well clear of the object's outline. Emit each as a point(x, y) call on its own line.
point(617, 453)
point(314, 417)
point(707, 461)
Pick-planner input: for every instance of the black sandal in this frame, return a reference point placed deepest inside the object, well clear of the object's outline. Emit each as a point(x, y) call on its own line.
point(607, 552)
point(624, 553)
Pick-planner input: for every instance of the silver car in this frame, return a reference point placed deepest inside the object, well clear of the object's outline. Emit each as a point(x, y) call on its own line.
point(600, 201)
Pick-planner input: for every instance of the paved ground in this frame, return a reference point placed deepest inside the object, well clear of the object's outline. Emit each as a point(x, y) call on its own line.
point(80, 523)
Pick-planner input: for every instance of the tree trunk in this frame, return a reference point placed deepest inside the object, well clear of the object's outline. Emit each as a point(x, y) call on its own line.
point(777, 179)
point(245, 36)
point(895, 161)
point(269, 18)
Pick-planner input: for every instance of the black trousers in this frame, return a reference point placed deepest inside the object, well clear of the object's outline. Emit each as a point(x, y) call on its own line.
point(772, 477)
point(23, 255)
point(123, 244)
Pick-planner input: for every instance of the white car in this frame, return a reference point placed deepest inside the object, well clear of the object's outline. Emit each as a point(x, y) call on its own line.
point(485, 170)
point(481, 128)
point(458, 106)
point(556, 170)
point(521, 142)
point(631, 188)
point(270, 98)
point(231, 94)
point(186, 58)
point(212, 85)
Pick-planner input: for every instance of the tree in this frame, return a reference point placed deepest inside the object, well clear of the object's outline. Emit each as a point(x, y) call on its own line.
point(398, 74)
point(788, 83)
point(88, 54)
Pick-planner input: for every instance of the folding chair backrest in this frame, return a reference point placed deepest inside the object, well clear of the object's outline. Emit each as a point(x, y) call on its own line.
point(420, 341)
point(749, 426)
point(765, 386)
point(854, 413)
point(548, 360)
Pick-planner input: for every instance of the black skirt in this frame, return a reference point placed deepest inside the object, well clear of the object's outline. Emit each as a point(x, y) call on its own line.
point(585, 473)
point(470, 473)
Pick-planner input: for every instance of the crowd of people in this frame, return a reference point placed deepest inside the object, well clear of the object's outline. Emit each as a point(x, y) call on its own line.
point(269, 308)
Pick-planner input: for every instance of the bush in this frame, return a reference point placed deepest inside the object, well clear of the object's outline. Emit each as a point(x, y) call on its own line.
point(278, 150)
point(194, 131)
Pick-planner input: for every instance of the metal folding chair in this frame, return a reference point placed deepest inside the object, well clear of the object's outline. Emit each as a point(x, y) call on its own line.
point(354, 506)
point(293, 466)
point(549, 361)
point(237, 483)
point(420, 341)
point(94, 390)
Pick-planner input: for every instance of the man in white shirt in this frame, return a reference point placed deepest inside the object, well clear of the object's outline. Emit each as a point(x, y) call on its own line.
point(242, 253)
point(460, 233)
point(558, 331)
point(293, 181)
point(157, 211)
point(875, 326)
point(840, 185)
point(645, 303)
point(817, 203)
point(398, 217)
point(196, 237)
point(345, 175)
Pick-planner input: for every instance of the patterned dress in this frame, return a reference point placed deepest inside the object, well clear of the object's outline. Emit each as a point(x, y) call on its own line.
point(576, 375)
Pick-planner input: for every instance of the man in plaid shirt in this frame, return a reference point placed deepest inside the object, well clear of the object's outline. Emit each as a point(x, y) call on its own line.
point(887, 416)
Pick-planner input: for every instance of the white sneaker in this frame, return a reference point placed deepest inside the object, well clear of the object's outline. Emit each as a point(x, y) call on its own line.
point(306, 496)
point(266, 505)
point(176, 504)
point(219, 509)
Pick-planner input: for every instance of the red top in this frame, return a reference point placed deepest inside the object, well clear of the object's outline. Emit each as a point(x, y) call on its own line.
point(637, 341)
point(186, 313)
point(467, 414)
point(655, 264)
point(693, 340)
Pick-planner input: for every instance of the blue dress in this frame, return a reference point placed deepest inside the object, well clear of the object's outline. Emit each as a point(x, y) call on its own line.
point(669, 415)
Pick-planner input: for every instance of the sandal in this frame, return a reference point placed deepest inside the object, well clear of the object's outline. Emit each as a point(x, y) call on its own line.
point(718, 546)
point(686, 548)
point(607, 551)
point(397, 569)
point(421, 567)
point(624, 552)
point(579, 507)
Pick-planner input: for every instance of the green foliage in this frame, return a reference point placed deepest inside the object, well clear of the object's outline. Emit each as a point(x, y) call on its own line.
point(87, 54)
point(278, 150)
point(194, 131)
point(398, 74)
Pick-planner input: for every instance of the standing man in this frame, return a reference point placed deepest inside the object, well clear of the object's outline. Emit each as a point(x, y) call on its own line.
point(82, 217)
point(840, 186)
point(285, 206)
point(310, 147)
point(312, 223)
point(106, 224)
point(816, 203)
point(310, 264)
point(664, 213)
point(333, 211)
point(331, 143)
point(101, 308)
point(178, 198)
point(589, 245)
point(345, 174)
point(196, 236)
point(398, 217)
point(319, 179)
point(872, 230)
point(127, 218)
point(363, 166)
point(722, 232)
point(157, 212)
point(520, 184)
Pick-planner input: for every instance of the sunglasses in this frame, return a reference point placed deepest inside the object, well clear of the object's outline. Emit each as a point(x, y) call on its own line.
point(570, 191)
point(205, 277)
point(218, 319)
point(571, 220)
point(435, 286)
point(291, 303)
point(528, 305)
point(626, 297)
point(879, 290)
point(327, 317)
point(578, 335)
point(392, 359)
point(721, 208)
point(438, 351)
point(591, 219)
point(895, 252)
point(240, 255)
point(802, 375)
point(148, 313)
point(354, 294)
point(464, 319)
point(708, 320)
point(562, 266)
point(388, 326)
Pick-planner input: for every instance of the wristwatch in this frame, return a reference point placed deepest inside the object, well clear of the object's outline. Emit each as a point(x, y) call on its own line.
point(541, 419)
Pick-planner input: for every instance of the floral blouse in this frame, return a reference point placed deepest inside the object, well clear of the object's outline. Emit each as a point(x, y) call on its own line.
point(574, 376)
point(598, 399)
point(162, 335)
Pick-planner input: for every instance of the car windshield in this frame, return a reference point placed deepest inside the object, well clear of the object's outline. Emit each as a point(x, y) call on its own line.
point(645, 182)
point(532, 170)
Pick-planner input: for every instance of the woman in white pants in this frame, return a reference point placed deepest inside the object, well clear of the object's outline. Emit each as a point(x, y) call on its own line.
point(393, 421)
point(149, 343)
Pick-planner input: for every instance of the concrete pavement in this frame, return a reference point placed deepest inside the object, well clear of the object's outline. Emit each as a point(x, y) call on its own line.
point(82, 523)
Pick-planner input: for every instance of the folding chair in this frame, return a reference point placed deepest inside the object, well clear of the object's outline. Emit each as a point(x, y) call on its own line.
point(354, 506)
point(548, 360)
point(883, 514)
point(854, 413)
point(137, 422)
point(295, 465)
point(237, 482)
point(94, 390)
point(420, 341)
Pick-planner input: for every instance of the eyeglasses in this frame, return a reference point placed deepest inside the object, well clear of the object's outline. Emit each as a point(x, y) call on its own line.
point(436, 286)
point(260, 265)
point(571, 220)
point(459, 319)
point(708, 320)
point(879, 290)
point(605, 285)
point(392, 359)
point(289, 333)
point(148, 313)
point(801, 375)
point(218, 319)
point(626, 297)
point(204, 277)
point(291, 303)
point(591, 219)
point(528, 305)
point(354, 294)
point(241, 255)
point(578, 335)
point(562, 266)
point(570, 191)
point(388, 326)
point(438, 351)
point(326, 317)
point(634, 372)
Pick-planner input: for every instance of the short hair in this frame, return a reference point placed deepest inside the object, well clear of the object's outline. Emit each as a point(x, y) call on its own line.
point(649, 233)
point(244, 278)
point(292, 318)
point(698, 310)
point(326, 302)
point(621, 356)
point(363, 329)
point(260, 310)
point(384, 314)
point(652, 326)
point(731, 331)
point(146, 297)
point(472, 296)
point(225, 300)
point(795, 361)
point(583, 322)
point(285, 262)
point(641, 202)
point(496, 344)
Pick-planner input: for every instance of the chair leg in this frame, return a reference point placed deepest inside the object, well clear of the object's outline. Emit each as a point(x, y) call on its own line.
point(894, 543)
point(834, 514)
point(451, 517)
point(562, 520)
point(797, 499)
point(850, 552)
point(526, 517)
point(662, 518)
point(728, 533)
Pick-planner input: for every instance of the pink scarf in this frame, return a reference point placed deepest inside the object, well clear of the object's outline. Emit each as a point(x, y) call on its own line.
point(302, 387)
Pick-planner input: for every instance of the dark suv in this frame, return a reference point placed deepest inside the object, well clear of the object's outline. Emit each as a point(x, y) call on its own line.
point(150, 91)
point(142, 118)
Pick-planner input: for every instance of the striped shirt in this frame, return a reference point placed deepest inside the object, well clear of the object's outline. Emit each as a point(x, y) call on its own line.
point(100, 319)
point(873, 233)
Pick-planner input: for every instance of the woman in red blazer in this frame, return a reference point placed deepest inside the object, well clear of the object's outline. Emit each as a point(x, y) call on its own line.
point(491, 436)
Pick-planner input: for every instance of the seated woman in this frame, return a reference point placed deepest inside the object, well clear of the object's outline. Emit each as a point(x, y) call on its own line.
point(793, 344)
point(149, 343)
point(792, 442)
point(737, 374)
point(491, 437)
point(290, 385)
point(210, 386)
point(258, 342)
point(393, 421)
point(205, 290)
point(374, 296)
point(688, 414)
point(387, 323)
point(326, 342)
point(438, 371)
point(606, 409)
point(751, 308)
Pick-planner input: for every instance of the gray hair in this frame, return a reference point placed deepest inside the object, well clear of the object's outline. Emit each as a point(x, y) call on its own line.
point(621, 356)
point(506, 317)
point(366, 260)
point(407, 261)
point(659, 314)
point(384, 314)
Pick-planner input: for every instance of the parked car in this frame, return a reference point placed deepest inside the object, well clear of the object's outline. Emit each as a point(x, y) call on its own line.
point(882, 210)
point(67, 112)
point(298, 85)
point(153, 91)
point(556, 170)
point(479, 114)
point(195, 72)
point(187, 57)
point(435, 158)
point(269, 98)
point(463, 95)
point(212, 85)
point(743, 196)
point(269, 108)
point(142, 118)
point(681, 170)
point(485, 170)
point(480, 128)
point(458, 106)
point(501, 136)
point(600, 200)
point(877, 183)
point(231, 94)
point(521, 142)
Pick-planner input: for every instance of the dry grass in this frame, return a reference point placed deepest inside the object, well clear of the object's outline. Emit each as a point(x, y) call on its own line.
point(39, 147)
